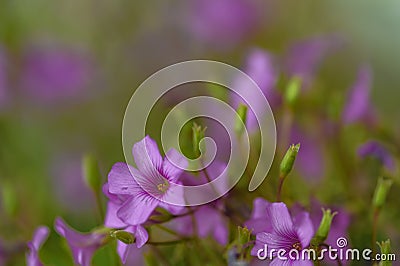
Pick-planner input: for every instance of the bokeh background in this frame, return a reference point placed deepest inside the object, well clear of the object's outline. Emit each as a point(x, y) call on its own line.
point(69, 68)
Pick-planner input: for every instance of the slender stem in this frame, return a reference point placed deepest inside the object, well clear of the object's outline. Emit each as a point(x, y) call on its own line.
point(209, 180)
point(172, 242)
point(338, 261)
point(374, 229)
point(168, 230)
point(278, 195)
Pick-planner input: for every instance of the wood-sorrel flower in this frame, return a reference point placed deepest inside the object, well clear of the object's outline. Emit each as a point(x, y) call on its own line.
point(146, 187)
point(39, 237)
point(287, 234)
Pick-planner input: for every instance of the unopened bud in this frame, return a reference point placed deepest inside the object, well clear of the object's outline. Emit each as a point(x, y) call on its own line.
point(198, 135)
point(381, 191)
point(293, 90)
point(288, 160)
point(241, 118)
point(243, 235)
point(91, 172)
point(123, 236)
point(324, 227)
point(385, 249)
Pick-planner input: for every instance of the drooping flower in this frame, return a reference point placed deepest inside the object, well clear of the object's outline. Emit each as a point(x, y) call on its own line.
point(376, 150)
point(259, 220)
point(113, 221)
point(304, 57)
point(53, 74)
point(223, 23)
point(358, 106)
point(39, 237)
point(287, 234)
point(148, 186)
point(82, 245)
point(261, 68)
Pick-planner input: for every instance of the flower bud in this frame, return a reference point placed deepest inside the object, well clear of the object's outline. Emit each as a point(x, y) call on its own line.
point(198, 135)
point(288, 160)
point(381, 191)
point(385, 249)
point(243, 236)
point(324, 227)
point(293, 90)
point(241, 118)
point(91, 172)
point(123, 236)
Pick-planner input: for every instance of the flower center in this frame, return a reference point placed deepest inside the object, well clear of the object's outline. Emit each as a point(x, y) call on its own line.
point(297, 246)
point(163, 187)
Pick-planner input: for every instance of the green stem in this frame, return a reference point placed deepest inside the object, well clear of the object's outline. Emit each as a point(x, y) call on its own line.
point(279, 193)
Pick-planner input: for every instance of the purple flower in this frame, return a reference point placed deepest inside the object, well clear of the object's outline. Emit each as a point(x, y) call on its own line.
point(70, 191)
point(377, 150)
point(358, 107)
point(310, 164)
point(223, 23)
point(82, 245)
point(215, 223)
point(304, 57)
point(261, 68)
point(287, 234)
point(259, 220)
point(113, 221)
point(39, 237)
point(53, 74)
point(148, 186)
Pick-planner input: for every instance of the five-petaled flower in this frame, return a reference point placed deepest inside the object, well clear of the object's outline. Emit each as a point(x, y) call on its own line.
point(151, 185)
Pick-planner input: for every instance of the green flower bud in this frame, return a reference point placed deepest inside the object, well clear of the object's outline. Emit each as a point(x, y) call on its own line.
point(288, 160)
point(241, 119)
point(198, 135)
point(385, 249)
point(243, 235)
point(161, 216)
point(123, 236)
point(324, 227)
point(381, 191)
point(91, 173)
point(293, 90)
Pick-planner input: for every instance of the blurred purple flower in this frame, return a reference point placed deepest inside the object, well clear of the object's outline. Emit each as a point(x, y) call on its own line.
point(70, 190)
point(358, 103)
point(82, 245)
point(261, 68)
point(310, 160)
point(304, 57)
point(55, 74)
point(39, 237)
point(287, 234)
point(215, 223)
point(259, 220)
point(375, 149)
point(159, 178)
point(113, 221)
point(223, 23)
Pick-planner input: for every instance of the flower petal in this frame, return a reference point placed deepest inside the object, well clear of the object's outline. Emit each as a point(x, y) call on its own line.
point(137, 209)
point(147, 157)
point(112, 220)
point(304, 228)
point(172, 171)
point(121, 181)
point(141, 236)
point(280, 219)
